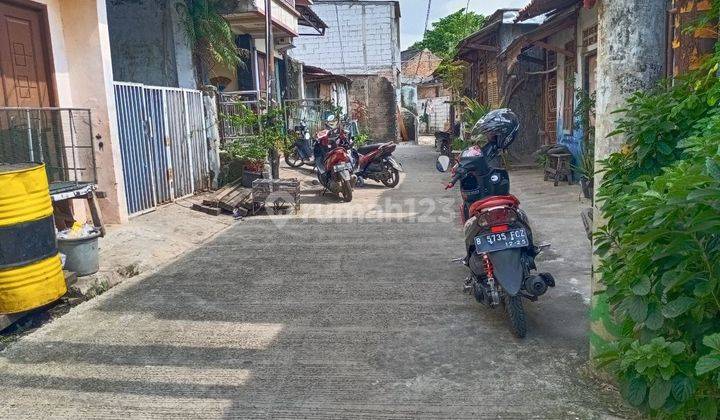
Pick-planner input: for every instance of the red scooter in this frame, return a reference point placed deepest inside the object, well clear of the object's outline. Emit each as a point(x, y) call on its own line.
point(333, 164)
point(375, 161)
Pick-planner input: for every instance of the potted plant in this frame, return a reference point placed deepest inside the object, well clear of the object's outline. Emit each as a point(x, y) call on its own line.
point(251, 154)
point(267, 137)
point(586, 169)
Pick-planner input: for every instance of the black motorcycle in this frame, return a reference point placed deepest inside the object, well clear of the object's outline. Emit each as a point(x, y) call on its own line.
point(302, 151)
point(498, 239)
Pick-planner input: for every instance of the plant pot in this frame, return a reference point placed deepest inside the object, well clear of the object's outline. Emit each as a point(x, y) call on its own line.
point(587, 187)
point(250, 176)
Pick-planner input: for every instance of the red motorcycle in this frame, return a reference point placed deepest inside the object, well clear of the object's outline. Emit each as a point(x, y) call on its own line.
point(375, 161)
point(333, 164)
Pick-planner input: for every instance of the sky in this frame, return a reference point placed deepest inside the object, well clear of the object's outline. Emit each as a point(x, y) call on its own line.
point(413, 13)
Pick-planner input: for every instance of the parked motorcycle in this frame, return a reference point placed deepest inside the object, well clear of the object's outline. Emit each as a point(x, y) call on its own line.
point(375, 161)
point(498, 238)
point(333, 163)
point(444, 139)
point(301, 153)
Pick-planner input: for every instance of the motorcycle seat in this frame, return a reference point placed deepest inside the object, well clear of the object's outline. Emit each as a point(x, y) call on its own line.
point(368, 148)
point(494, 201)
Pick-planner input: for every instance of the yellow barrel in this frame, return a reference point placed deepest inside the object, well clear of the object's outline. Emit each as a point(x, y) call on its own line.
point(30, 270)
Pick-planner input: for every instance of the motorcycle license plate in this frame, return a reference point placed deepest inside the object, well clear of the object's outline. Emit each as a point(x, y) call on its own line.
point(342, 167)
point(493, 242)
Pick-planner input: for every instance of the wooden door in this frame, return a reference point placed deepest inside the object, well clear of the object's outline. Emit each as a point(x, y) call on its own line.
point(24, 57)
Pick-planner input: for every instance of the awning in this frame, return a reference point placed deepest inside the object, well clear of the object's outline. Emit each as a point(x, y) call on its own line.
point(562, 20)
point(310, 19)
point(539, 7)
point(317, 74)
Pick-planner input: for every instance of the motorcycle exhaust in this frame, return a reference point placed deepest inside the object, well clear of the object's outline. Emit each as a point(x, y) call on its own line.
point(535, 285)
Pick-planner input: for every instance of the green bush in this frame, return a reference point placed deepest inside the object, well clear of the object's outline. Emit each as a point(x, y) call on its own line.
point(660, 249)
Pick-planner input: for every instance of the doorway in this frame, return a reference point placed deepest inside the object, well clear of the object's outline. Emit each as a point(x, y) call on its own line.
point(24, 56)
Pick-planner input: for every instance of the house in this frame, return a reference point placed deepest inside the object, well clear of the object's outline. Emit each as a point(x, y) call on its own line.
point(290, 19)
point(109, 92)
point(363, 44)
point(491, 82)
point(325, 86)
point(568, 40)
point(422, 92)
point(57, 66)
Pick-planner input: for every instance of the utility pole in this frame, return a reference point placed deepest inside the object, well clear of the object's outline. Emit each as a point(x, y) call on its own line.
point(631, 57)
point(269, 54)
point(274, 157)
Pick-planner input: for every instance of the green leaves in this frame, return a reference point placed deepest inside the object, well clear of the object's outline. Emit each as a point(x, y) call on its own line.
point(637, 309)
point(712, 341)
point(442, 39)
point(678, 307)
point(635, 391)
point(710, 361)
point(707, 409)
point(707, 364)
point(642, 287)
point(660, 249)
point(659, 392)
point(683, 387)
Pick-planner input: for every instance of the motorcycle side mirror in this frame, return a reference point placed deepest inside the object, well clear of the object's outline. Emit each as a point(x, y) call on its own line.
point(443, 163)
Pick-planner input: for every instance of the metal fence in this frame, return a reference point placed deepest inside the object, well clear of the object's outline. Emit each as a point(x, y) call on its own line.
point(162, 142)
point(310, 111)
point(61, 138)
point(231, 104)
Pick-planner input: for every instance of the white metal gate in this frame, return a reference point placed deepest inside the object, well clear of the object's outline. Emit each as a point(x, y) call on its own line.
point(163, 144)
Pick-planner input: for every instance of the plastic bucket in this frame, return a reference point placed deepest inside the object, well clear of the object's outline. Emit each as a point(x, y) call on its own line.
point(82, 255)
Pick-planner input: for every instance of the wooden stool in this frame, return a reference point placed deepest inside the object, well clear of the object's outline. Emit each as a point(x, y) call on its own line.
point(558, 168)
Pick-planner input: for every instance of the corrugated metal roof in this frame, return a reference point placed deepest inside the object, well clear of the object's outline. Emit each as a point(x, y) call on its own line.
point(540, 7)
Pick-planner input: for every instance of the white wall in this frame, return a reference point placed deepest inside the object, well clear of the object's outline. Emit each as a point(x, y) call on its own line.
point(362, 38)
point(83, 77)
point(438, 111)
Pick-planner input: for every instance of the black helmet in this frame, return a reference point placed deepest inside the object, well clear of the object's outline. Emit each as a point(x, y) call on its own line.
point(499, 126)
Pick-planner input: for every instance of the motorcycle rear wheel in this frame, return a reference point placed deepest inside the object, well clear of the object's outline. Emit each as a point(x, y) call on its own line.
point(393, 179)
point(516, 314)
point(293, 159)
point(347, 191)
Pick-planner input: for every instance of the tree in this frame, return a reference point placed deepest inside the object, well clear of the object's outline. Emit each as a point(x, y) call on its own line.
point(447, 32)
point(210, 35)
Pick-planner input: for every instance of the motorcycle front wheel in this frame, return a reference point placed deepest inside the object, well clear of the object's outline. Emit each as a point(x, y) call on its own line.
point(516, 314)
point(293, 159)
point(347, 191)
point(392, 180)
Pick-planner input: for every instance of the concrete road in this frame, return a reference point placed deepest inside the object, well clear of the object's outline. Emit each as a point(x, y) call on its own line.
point(344, 311)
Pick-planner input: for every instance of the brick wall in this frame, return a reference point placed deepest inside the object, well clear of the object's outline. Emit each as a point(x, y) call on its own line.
point(373, 104)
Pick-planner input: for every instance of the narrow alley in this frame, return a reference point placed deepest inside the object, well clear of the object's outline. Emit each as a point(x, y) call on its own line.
point(325, 317)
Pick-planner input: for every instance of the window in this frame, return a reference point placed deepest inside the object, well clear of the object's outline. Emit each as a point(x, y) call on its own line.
point(492, 88)
point(569, 85)
point(590, 35)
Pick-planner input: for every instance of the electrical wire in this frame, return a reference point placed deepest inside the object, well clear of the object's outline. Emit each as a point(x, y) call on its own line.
point(427, 22)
